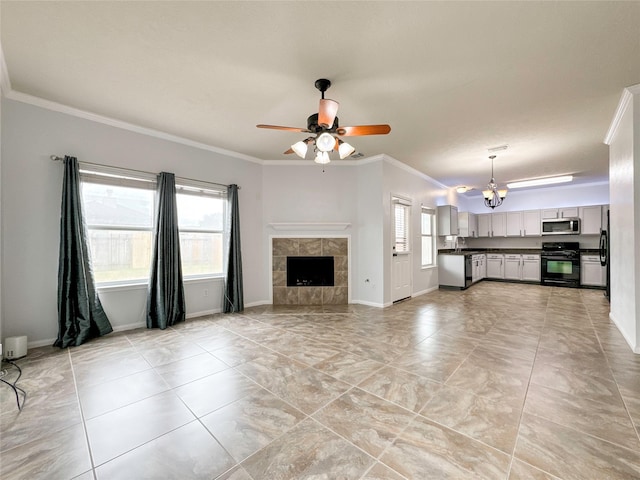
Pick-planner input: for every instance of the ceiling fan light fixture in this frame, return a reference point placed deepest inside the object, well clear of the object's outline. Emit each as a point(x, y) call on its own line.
point(322, 158)
point(345, 150)
point(325, 142)
point(300, 148)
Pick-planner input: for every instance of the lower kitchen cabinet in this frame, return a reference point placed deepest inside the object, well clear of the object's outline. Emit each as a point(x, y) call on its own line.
point(531, 268)
point(512, 267)
point(522, 267)
point(592, 274)
point(479, 267)
point(495, 265)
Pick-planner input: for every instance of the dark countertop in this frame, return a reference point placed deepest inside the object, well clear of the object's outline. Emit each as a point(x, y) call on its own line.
point(507, 251)
point(473, 251)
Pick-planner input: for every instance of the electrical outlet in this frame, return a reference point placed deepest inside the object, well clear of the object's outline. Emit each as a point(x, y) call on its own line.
point(206, 292)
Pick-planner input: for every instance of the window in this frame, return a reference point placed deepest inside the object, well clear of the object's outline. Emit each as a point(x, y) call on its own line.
point(201, 215)
point(119, 217)
point(401, 226)
point(120, 213)
point(428, 234)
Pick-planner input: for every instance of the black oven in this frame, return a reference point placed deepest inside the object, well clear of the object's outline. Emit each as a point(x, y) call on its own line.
point(560, 264)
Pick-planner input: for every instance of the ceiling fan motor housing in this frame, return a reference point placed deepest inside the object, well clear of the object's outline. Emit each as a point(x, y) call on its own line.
point(312, 125)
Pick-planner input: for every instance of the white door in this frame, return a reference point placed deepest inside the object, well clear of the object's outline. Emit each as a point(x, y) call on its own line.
point(401, 263)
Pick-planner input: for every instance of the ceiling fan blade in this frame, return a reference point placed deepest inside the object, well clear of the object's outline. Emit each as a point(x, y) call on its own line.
point(288, 151)
point(277, 127)
point(360, 130)
point(327, 112)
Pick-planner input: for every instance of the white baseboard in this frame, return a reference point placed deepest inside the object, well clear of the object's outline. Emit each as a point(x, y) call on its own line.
point(41, 343)
point(369, 304)
point(424, 292)
point(258, 303)
point(632, 344)
point(203, 313)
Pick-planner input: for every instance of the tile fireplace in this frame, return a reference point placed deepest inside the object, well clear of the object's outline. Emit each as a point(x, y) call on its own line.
point(309, 293)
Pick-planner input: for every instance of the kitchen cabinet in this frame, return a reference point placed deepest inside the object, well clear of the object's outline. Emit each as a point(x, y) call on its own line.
point(566, 212)
point(447, 220)
point(484, 225)
point(479, 268)
point(495, 265)
point(531, 226)
point(531, 268)
point(591, 220)
point(451, 271)
point(514, 224)
point(512, 267)
point(498, 225)
point(467, 225)
point(523, 224)
point(591, 272)
point(524, 267)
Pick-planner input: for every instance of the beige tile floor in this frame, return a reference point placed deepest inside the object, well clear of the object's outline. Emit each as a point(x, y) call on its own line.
point(501, 381)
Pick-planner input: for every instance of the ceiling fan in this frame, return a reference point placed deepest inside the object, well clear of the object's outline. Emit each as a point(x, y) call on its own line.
point(327, 130)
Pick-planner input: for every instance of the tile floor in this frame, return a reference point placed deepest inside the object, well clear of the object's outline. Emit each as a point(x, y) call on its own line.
point(501, 381)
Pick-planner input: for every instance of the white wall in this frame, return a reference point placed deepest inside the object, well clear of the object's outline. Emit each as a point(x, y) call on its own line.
point(624, 156)
point(400, 180)
point(310, 197)
point(31, 192)
point(368, 282)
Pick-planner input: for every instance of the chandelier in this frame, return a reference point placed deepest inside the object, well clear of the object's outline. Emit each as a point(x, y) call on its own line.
point(492, 196)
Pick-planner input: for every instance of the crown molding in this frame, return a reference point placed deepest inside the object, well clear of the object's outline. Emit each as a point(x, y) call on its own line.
point(76, 112)
point(413, 171)
point(623, 104)
point(5, 82)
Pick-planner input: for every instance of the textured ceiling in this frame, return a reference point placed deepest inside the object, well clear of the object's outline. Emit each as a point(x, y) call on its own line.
point(453, 79)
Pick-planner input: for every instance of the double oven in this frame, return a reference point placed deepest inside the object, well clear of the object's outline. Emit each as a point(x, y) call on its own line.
point(560, 264)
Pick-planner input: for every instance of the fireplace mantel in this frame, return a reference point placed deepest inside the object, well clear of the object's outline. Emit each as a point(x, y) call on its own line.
point(311, 227)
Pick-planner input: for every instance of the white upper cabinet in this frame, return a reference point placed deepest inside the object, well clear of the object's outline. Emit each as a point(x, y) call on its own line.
point(567, 212)
point(531, 223)
point(528, 223)
point(467, 225)
point(447, 220)
point(498, 225)
point(591, 218)
point(484, 225)
point(514, 224)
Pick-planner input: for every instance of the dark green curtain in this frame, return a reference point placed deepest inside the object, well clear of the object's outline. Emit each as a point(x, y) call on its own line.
point(80, 313)
point(165, 300)
point(234, 296)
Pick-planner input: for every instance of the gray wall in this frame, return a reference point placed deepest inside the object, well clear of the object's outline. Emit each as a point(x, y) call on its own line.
point(31, 193)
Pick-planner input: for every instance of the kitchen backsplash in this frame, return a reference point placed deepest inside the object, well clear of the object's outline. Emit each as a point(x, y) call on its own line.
point(586, 241)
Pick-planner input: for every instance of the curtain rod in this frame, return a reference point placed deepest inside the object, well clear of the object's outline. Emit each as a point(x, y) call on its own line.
point(56, 158)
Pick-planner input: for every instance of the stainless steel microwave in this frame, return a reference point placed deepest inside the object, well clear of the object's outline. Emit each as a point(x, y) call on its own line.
point(561, 226)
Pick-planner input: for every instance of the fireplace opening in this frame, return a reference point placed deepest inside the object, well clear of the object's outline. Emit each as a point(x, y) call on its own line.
point(310, 272)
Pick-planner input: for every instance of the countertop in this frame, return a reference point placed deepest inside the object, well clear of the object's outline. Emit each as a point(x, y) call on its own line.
point(506, 251)
point(473, 251)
